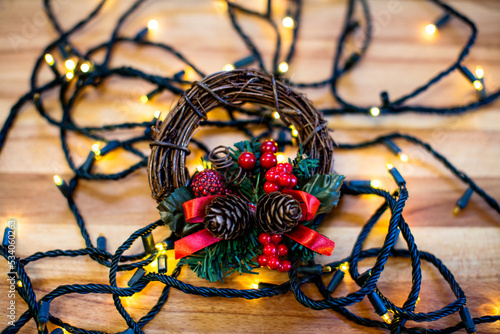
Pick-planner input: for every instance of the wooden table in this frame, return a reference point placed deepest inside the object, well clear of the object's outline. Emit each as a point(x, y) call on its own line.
point(399, 59)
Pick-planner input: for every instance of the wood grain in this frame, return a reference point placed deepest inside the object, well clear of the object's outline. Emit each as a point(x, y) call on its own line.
point(399, 59)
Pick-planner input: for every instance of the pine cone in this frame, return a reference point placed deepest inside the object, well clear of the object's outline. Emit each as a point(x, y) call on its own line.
point(277, 213)
point(228, 217)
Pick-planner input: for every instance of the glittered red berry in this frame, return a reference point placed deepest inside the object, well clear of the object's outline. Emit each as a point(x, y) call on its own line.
point(280, 168)
point(207, 183)
point(285, 180)
point(270, 250)
point(284, 266)
point(272, 175)
point(293, 181)
point(276, 238)
point(247, 160)
point(268, 160)
point(264, 238)
point(288, 167)
point(269, 146)
point(270, 187)
point(273, 263)
point(282, 250)
point(263, 260)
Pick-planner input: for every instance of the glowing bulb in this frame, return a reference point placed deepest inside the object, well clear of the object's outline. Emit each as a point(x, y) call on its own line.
point(280, 158)
point(144, 99)
point(57, 180)
point(276, 115)
point(387, 318)
point(389, 166)
point(200, 168)
point(157, 114)
point(152, 25)
point(479, 72)
point(295, 132)
point(160, 247)
point(19, 284)
point(85, 67)
point(288, 22)
point(478, 85)
point(283, 67)
point(96, 148)
point(228, 67)
point(70, 75)
point(49, 59)
point(70, 64)
point(374, 111)
point(430, 29)
point(375, 183)
point(254, 285)
point(403, 157)
point(344, 267)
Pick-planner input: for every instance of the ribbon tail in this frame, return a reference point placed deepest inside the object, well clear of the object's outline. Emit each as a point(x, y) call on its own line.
point(194, 242)
point(312, 240)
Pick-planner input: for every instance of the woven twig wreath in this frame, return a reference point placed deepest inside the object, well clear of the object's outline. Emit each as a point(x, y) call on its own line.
point(169, 145)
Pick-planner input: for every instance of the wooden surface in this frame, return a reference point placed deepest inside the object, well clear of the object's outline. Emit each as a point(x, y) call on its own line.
point(399, 59)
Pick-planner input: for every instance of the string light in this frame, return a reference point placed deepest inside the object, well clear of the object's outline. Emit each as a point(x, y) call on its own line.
point(280, 158)
point(152, 25)
point(283, 67)
point(478, 85)
point(70, 75)
point(70, 64)
point(96, 148)
point(49, 59)
point(144, 99)
point(396, 150)
point(200, 168)
point(374, 111)
point(288, 22)
point(295, 132)
point(85, 67)
point(157, 114)
point(276, 115)
point(57, 180)
point(463, 200)
point(228, 67)
point(430, 29)
point(19, 284)
point(375, 184)
point(479, 72)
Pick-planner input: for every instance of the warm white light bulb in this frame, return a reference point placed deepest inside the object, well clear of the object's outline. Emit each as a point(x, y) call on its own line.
point(57, 180)
point(280, 158)
point(152, 25)
point(144, 99)
point(430, 29)
point(479, 72)
point(49, 59)
point(288, 22)
point(228, 67)
point(375, 183)
point(96, 148)
point(85, 67)
point(478, 85)
point(276, 115)
point(283, 67)
point(403, 157)
point(200, 168)
point(70, 75)
point(70, 64)
point(374, 111)
point(157, 114)
point(389, 166)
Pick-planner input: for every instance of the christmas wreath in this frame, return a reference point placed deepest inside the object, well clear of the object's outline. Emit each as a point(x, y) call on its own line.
point(245, 208)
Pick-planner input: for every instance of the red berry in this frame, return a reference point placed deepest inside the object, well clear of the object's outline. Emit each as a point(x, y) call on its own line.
point(272, 175)
point(247, 160)
point(269, 146)
point(276, 238)
point(284, 266)
point(285, 180)
point(288, 167)
point(263, 260)
point(270, 187)
point(280, 168)
point(273, 263)
point(268, 160)
point(282, 250)
point(270, 250)
point(264, 238)
point(293, 181)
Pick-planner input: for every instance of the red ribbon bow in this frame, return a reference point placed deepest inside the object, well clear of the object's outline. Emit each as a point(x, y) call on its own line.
point(194, 211)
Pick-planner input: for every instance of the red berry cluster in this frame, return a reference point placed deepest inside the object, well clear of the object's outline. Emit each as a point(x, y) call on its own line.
point(272, 252)
point(280, 177)
point(209, 182)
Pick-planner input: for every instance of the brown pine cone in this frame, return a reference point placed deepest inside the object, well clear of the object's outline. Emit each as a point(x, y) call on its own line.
point(228, 217)
point(277, 213)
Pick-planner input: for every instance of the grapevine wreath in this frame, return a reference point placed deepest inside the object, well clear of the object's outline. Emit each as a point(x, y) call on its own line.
point(245, 209)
